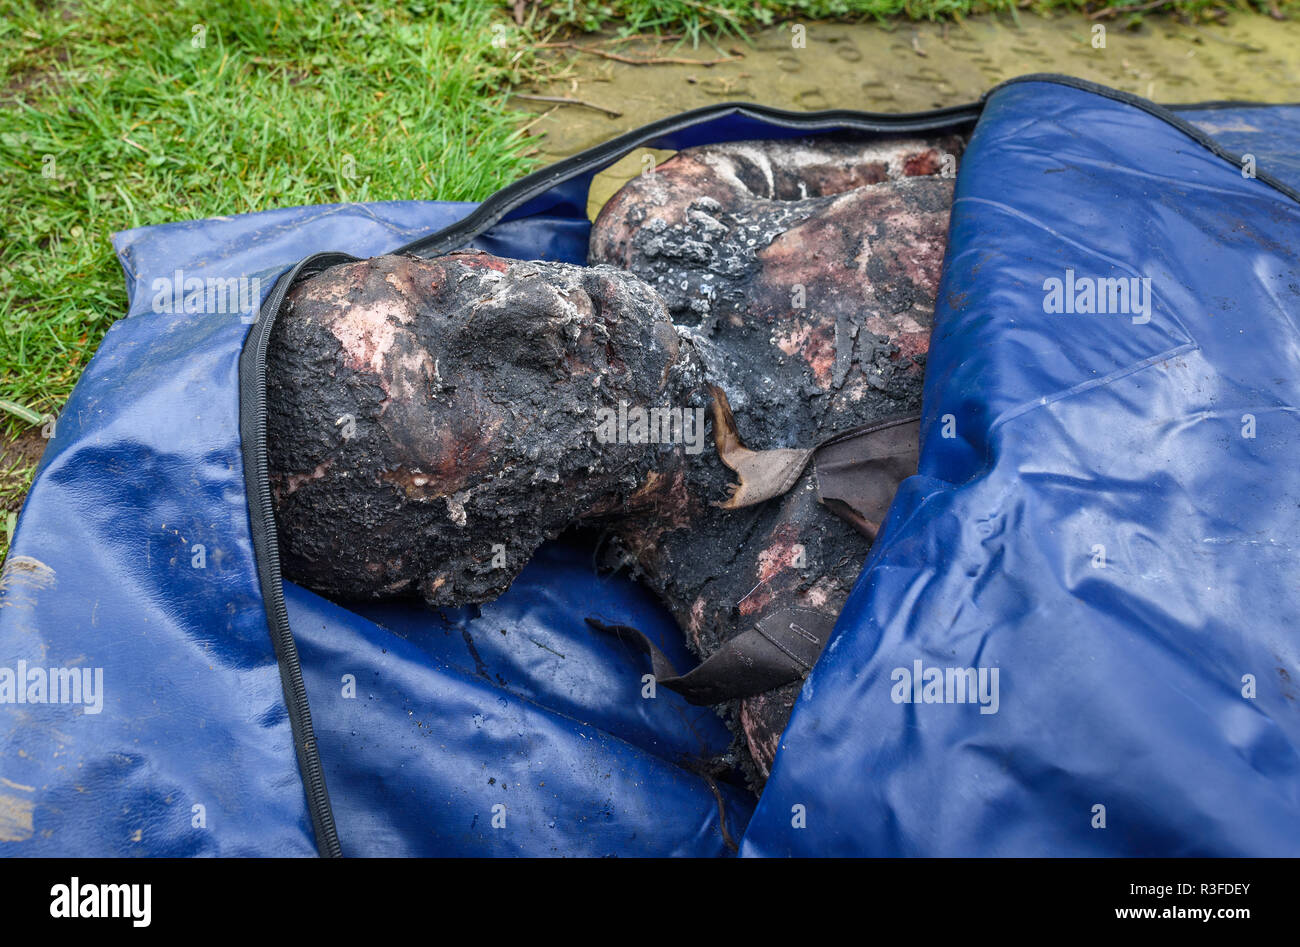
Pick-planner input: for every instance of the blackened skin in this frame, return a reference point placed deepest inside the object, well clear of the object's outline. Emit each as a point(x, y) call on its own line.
point(469, 386)
point(431, 422)
point(804, 270)
point(805, 273)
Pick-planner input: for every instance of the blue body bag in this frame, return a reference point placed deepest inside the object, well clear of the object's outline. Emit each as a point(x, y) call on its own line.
point(1077, 634)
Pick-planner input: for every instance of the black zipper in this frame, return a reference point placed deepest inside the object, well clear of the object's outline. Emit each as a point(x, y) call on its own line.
point(491, 211)
point(266, 550)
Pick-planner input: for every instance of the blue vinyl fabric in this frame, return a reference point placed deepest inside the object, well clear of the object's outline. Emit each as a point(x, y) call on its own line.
point(1270, 134)
point(512, 729)
point(517, 731)
point(1121, 669)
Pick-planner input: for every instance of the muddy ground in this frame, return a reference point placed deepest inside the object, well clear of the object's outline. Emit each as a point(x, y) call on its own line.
point(18, 458)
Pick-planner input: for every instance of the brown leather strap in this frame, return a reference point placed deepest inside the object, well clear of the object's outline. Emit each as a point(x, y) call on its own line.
point(858, 472)
point(782, 647)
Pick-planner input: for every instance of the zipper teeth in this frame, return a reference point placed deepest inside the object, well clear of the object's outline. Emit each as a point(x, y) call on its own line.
point(315, 775)
point(871, 427)
point(312, 771)
point(492, 210)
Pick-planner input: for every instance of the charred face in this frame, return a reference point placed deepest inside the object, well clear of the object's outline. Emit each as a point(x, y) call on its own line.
point(423, 412)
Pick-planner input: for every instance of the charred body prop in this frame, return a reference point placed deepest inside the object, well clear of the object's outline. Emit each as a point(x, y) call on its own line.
point(431, 422)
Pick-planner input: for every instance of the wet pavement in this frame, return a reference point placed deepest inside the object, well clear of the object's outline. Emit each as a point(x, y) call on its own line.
point(902, 67)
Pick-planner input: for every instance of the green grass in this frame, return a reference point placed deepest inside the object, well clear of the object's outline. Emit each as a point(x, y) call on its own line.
point(121, 113)
point(121, 120)
point(115, 117)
